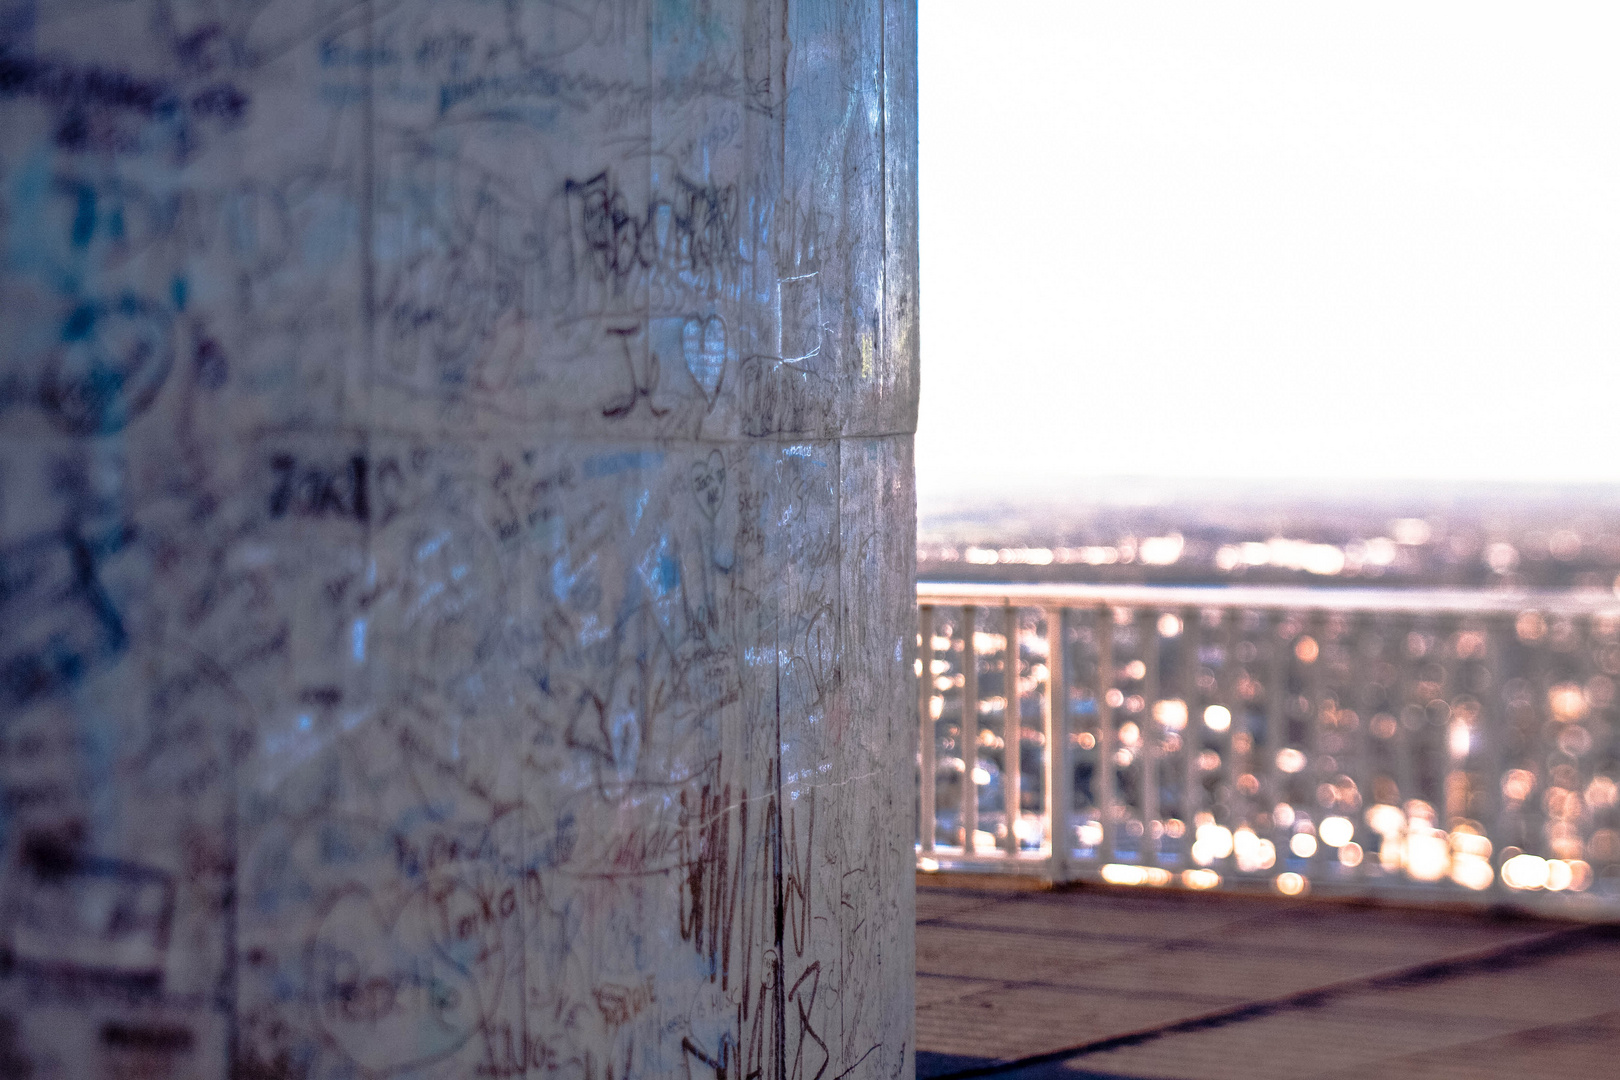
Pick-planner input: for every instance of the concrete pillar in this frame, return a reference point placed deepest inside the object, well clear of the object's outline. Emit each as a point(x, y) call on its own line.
point(456, 539)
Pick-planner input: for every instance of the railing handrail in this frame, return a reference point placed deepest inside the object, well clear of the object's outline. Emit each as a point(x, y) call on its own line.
point(1592, 602)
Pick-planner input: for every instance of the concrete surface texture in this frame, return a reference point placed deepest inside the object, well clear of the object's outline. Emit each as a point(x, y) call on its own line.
point(456, 538)
point(1099, 984)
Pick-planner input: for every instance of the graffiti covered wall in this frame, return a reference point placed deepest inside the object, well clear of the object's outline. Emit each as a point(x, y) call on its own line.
point(456, 537)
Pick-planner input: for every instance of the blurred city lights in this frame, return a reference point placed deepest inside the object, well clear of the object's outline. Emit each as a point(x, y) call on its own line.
point(1461, 739)
point(1127, 874)
point(1337, 831)
point(1525, 872)
point(1211, 842)
point(1172, 713)
point(1254, 853)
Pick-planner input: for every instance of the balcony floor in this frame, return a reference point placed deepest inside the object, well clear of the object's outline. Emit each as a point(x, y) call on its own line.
point(1174, 986)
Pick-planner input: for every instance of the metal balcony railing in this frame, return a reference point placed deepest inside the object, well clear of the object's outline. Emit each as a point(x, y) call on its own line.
point(1431, 745)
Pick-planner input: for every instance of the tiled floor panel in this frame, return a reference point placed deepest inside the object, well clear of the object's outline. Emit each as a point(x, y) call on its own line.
point(1172, 986)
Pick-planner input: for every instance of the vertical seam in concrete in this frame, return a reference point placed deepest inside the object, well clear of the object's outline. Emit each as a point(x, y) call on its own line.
point(229, 984)
point(838, 692)
point(368, 195)
point(781, 118)
point(779, 981)
point(883, 179)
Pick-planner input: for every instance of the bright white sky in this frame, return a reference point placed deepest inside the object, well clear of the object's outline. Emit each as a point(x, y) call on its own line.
point(1260, 240)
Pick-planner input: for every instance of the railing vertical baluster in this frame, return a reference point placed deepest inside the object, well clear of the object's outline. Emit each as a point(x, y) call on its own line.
point(1315, 679)
point(1541, 671)
point(927, 772)
point(1270, 741)
point(1147, 630)
point(1493, 729)
point(1103, 779)
point(1226, 695)
point(1453, 802)
point(1059, 768)
point(969, 734)
point(1012, 764)
point(1363, 701)
point(1405, 768)
point(1192, 741)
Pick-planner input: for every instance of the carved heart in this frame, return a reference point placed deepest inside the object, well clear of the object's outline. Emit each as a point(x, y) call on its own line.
point(709, 483)
point(395, 991)
point(703, 342)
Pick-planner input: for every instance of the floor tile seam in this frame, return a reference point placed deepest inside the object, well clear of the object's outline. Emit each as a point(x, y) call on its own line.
point(1139, 899)
point(1059, 935)
point(1604, 959)
point(1408, 1017)
point(1148, 912)
point(1089, 1075)
point(1195, 943)
point(974, 901)
point(1552, 1028)
point(1023, 951)
point(1334, 1017)
point(1358, 1008)
point(1213, 951)
point(1450, 1048)
point(1166, 946)
point(1310, 998)
point(957, 999)
point(1156, 1053)
point(994, 895)
point(1276, 908)
point(1270, 920)
point(1082, 991)
point(1535, 981)
point(1415, 975)
point(985, 906)
point(1077, 935)
point(1091, 988)
point(1099, 952)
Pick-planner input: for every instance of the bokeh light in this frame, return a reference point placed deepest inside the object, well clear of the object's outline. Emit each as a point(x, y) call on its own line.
point(1337, 831)
point(1291, 884)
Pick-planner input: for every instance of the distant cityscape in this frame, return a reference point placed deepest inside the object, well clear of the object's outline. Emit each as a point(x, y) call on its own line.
point(1487, 536)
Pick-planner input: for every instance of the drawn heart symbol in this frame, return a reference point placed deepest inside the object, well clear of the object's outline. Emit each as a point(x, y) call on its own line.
point(392, 994)
point(709, 483)
point(703, 341)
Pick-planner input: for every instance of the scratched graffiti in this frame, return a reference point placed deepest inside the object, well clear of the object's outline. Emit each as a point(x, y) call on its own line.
point(455, 539)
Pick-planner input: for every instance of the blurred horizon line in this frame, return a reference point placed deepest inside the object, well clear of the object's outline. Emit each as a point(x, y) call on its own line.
point(1155, 490)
